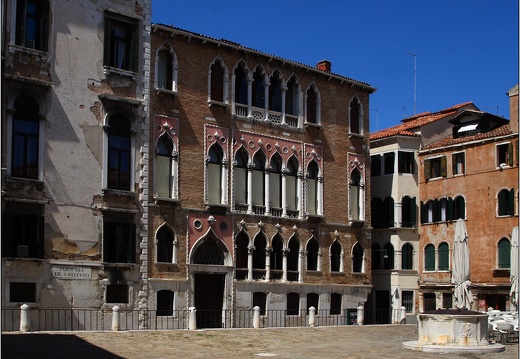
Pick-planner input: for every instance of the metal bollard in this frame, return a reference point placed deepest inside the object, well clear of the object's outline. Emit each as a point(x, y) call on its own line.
point(192, 325)
point(115, 319)
point(312, 316)
point(256, 317)
point(24, 318)
point(360, 318)
point(403, 316)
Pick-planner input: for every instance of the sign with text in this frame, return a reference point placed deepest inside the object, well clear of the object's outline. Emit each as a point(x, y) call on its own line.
point(69, 272)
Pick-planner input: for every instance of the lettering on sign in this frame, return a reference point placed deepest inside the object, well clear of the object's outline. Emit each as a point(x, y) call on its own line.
point(67, 272)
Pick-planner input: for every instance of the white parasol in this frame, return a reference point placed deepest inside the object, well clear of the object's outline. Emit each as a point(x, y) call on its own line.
point(460, 261)
point(513, 294)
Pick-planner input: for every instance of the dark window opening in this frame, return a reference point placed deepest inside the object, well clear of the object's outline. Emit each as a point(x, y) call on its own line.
point(312, 102)
point(121, 43)
point(505, 154)
point(292, 98)
point(375, 165)
point(406, 162)
point(217, 82)
point(275, 93)
point(312, 254)
point(32, 24)
point(259, 300)
point(23, 231)
point(25, 138)
point(335, 257)
point(165, 70)
point(355, 109)
point(458, 163)
point(258, 89)
point(313, 300)
point(209, 252)
point(357, 260)
point(20, 292)
point(117, 293)
point(293, 304)
point(118, 240)
point(408, 212)
point(335, 304)
point(389, 159)
point(407, 300)
point(429, 258)
point(165, 302)
point(119, 152)
point(165, 240)
point(407, 256)
point(241, 87)
point(506, 202)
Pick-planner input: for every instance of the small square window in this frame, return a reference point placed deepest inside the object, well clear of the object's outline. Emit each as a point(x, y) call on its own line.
point(406, 162)
point(505, 154)
point(117, 293)
point(458, 163)
point(22, 292)
point(435, 167)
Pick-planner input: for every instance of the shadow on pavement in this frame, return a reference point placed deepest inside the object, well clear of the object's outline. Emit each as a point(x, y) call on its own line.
point(36, 345)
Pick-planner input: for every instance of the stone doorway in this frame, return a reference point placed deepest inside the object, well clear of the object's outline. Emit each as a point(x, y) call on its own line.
point(209, 296)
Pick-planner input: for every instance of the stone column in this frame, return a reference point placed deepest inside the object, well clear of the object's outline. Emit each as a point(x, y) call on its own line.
point(250, 250)
point(24, 318)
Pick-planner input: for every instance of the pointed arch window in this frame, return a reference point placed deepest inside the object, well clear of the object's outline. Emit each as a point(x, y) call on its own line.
point(258, 182)
point(292, 188)
point(260, 244)
point(240, 184)
point(275, 92)
point(25, 140)
point(242, 243)
point(209, 252)
point(218, 82)
point(292, 97)
point(275, 185)
point(312, 106)
point(214, 168)
point(165, 249)
point(355, 116)
point(358, 259)
point(259, 88)
point(166, 75)
point(241, 86)
point(165, 167)
point(335, 257)
point(293, 260)
point(276, 260)
point(119, 163)
point(313, 249)
point(356, 195)
point(313, 193)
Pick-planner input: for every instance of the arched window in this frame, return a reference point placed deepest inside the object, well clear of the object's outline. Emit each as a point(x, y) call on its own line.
point(429, 258)
point(335, 304)
point(388, 256)
point(165, 69)
point(335, 257)
point(259, 88)
point(313, 300)
point(436, 210)
point(119, 152)
point(443, 203)
point(215, 156)
point(293, 259)
point(291, 187)
point(444, 256)
point(460, 207)
point(408, 212)
point(292, 97)
point(209, 252)
point(165, 239)
point(241, 86)
point(260, 244)
point(240, 179)
point(276, 259)
point(376, 256)
point(313, 249)
point(356, 197)
point(358, 256)
point(275, 185)
point(217, 78)
point(506, 202)
point(258, 185)
point(242, 242)
point(164, 167)
point(313, 195)
point(293, 304)
point(407, 256)
point(165, 303)
point(25, 150)
point(312, 105)
point(259, 300)
point(275, 92)
point(504, 253)
point(355, 116)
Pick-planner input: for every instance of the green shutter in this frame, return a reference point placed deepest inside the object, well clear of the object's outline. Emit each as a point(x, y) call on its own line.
point(413, 212)
point(427, 170)
point(423, 212)
point(444, 169)
point(450, 210)
point(510, 154)
point(436, 208)
point(511, 202)
point(516, 147)
point(453, 164)
point(502, 200)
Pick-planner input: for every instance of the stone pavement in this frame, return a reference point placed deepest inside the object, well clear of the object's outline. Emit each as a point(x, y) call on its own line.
point(371, 341)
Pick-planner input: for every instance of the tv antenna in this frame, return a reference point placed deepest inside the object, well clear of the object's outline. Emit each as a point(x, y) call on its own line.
point(414, 80)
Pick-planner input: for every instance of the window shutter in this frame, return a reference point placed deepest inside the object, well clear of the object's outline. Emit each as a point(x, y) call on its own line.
point(453, 164)
point(413, 212)
point(462, 208)
point(510, 153)
point(516, 145)
point(423, 212)
point(21, 16)
point(502, 200)
point(511, 207)
point(436, 211)
point(427, 170)
point(451, 209)
point(444, 170)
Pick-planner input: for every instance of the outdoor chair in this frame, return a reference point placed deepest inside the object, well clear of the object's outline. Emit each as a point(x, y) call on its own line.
point(506, 332)
point(491, 334)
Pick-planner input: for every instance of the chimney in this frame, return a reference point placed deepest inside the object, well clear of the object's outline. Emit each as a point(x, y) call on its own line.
point(324, 65)
point(513, 108)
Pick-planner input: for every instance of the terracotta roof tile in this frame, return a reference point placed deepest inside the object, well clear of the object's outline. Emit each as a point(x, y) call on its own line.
point(448, 141)
point(416, 121)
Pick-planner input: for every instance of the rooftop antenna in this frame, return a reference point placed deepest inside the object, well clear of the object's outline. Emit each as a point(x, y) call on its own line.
point(414, 81)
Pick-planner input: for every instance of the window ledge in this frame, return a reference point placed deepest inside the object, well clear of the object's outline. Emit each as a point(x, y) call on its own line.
point(358, 135)
point(26, 181)
point(119, 265)
point(166, 199)
point(42, 55)
point(217, 103)
point(113, 70)
point(118, 193)
point(314, 217)
point(165, 91)
point(312, 125)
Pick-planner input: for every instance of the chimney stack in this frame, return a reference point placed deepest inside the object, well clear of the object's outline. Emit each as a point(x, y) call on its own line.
point(513, 108)
point(324, 65)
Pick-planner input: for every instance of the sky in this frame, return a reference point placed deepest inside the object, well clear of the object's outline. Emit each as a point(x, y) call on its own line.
point(421, 55)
